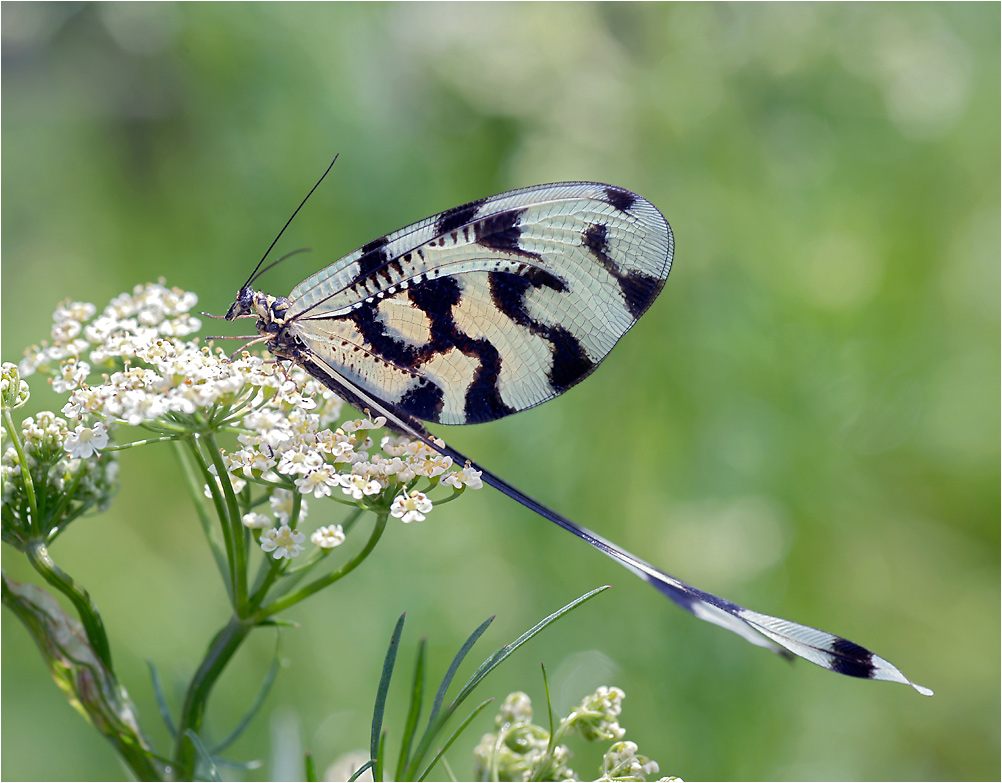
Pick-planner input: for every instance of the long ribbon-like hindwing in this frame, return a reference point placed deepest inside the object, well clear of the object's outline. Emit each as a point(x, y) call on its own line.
point(494, 307)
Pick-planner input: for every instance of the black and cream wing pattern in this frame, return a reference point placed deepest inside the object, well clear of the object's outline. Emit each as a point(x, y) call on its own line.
point(491, 308)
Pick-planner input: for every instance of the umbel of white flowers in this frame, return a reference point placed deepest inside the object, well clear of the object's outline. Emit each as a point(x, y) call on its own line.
point(132, 365)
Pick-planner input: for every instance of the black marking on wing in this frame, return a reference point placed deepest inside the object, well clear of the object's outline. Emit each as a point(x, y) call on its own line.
point(436, 298)
point(502, 232)
point(621, 199)
point(570, 362)
point(457, 217)
point(425, 401)
point(372, 330)
point(373, 257)
point(639, 290)
point(851, 659)
point(483, 400)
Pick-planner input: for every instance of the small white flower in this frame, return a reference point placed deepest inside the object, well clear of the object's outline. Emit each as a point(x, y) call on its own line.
point(299, 461)
point(65, 331)
point(319, 482)
point(72, 374)
point(411, 508)
point(360, 486)
point(357, 425)
point(289, 394)
point(256, 521)
point(434, 466)
point(395, 446)
point(467, 477)
point(85, 442)
point(76, 311)
point(283, 541)
point(267, 423)
point(100, 329)
point(328, 537)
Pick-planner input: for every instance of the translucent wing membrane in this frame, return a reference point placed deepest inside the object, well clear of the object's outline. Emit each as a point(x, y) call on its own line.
point(492, 307)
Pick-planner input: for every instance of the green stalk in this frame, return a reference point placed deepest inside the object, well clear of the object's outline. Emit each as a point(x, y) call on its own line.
point(238, 551)
point(222, 649)
point(89, 686)
point(38, 555)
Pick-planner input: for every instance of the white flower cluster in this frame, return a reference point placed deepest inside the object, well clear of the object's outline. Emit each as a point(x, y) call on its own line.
point(293, 446)
point(597, 717)
point(150, 313)
point(158, 380)
point(521, 750)
point(63, 485)
point(622, 762)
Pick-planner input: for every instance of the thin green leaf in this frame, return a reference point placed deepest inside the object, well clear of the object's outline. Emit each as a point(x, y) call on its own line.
point(452, 738)
point(449, 675)
point(158, 691)
point(436, 722)
point(262, 693)
point(503, 652)
point(384, 687)
point(311, 769)
point(358, 772)
point(553, 741)
point(549, 704)
point(417, 696)
point(211, 772)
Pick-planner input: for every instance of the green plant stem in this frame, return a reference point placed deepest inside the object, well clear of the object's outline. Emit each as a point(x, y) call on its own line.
point(238, 552)
point(89, 686)
point(222, 649)
point(228, 641)
point(38, 555)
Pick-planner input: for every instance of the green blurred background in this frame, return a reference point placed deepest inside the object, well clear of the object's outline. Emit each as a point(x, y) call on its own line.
point(806, 422)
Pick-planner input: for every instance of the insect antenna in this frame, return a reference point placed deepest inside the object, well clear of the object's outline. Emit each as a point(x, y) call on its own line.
point(280, 260)
point(255, 273)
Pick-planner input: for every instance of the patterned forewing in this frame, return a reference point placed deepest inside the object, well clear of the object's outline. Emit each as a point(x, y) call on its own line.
point(492, 307)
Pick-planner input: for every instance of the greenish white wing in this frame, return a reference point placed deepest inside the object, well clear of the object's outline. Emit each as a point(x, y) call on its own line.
point(492, 307)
